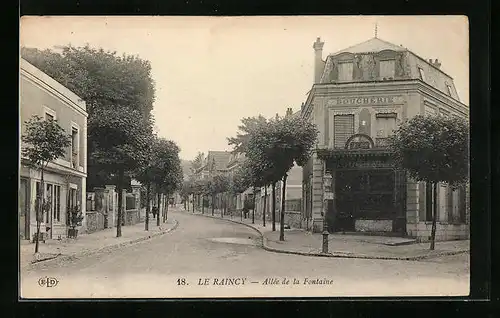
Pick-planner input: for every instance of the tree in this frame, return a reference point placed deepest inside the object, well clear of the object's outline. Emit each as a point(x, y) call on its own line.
point(277, 146)
point(433, 149)
point(239, 182)
point(122, 147)
point(220, 185)
point(253, 126)
point(248, 126)
point(105, 81)
point(172, 182)
point(185, 192)
point(44, 141)
point(167, 170)
point(197, 163)
point(145, 175)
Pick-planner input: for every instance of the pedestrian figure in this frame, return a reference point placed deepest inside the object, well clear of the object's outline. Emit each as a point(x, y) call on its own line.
point(155, 212)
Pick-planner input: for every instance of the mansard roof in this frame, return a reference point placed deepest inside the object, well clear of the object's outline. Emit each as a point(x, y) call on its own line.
point(372, 45)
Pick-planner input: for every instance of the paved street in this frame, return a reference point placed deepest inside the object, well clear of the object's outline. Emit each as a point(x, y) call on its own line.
point(204, 248)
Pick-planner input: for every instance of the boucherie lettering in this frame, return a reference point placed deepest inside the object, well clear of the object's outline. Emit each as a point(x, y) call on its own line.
point(365, 100)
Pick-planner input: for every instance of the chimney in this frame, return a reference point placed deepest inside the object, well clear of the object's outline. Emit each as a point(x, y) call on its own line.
point(437, 64)
point(289, 112)
point(318, 59)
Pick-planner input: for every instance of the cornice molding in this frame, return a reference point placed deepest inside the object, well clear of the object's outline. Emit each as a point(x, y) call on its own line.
point(396, 87)
point(53, 92)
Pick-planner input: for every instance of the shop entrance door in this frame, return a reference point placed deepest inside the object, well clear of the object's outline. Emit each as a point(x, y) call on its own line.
point(363, 194)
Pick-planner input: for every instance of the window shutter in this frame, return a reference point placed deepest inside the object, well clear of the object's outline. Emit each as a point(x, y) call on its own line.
point(387, 69)
point(343, 129)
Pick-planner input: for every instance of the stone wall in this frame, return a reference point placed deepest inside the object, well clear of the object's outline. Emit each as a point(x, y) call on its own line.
point(293, 219)
point(373, 225)
point(95, 221)
point(444, 231)
point(131, 217)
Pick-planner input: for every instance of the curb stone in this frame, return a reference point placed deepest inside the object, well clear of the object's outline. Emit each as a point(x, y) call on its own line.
point(336, 254)
point(103, 249)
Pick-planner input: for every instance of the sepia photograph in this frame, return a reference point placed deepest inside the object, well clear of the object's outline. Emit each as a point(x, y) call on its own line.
point(169, 157)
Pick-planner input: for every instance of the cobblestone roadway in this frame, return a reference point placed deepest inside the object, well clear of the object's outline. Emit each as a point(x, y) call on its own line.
point(152, 268)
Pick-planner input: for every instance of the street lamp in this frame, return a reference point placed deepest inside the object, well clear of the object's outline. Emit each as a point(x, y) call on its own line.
point(327, 195)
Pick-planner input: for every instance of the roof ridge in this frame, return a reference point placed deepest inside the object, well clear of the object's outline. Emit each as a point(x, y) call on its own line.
point(391, 45)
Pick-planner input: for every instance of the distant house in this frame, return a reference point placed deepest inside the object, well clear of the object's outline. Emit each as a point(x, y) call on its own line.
point(65, 178)
point(215, 162)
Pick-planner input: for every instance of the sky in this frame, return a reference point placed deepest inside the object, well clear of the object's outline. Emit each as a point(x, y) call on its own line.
point(210, 72)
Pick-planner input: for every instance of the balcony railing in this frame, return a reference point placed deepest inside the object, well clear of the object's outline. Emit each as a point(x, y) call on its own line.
point(382, 142)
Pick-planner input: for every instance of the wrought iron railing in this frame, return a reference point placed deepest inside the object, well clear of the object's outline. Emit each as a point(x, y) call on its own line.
point(382, 142)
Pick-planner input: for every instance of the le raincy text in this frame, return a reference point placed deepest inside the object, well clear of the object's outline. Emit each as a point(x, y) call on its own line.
point(236, 281)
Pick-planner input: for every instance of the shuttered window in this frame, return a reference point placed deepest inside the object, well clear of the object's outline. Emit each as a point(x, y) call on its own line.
point(346, 70)
point(386, 124)
point(387, 69)
point(343, 129)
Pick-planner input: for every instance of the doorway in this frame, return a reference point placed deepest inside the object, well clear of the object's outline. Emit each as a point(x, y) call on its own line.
point(363, 194)
point(23, 208)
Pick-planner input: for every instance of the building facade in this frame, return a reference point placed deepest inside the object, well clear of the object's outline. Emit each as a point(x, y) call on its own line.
point(64, 178)
point(358, 98)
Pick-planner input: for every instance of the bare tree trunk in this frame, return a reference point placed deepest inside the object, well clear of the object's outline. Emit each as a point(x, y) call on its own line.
point(120, 207)
point(40, 211)
point(213, 204)
point(282, 212)
point(158, 204)
point(264, 210)
point(148, 206)
point(274, 206)
point(221, 205)
point(434, 216)
point(253, 209)
point(202, 204)
point(193, 203)
point(166, 209)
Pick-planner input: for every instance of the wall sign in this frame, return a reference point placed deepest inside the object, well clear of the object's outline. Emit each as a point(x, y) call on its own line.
point(359, 141)
point(371, 100)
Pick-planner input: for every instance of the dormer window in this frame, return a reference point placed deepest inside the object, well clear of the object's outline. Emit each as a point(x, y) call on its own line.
point(387, 69)
point(346, 70)
point(421, 74)
point(449, 90)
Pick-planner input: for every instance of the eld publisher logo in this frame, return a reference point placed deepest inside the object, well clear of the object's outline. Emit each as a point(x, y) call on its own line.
point(48, 282)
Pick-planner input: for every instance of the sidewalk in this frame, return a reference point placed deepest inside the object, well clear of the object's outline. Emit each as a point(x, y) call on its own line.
point(86, 244)
point(348, 246)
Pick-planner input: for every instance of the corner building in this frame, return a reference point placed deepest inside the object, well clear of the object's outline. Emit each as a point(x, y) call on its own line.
point(358, 98)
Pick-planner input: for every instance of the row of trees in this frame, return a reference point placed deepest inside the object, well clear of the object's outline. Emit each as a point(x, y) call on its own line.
point(271, 148)
point(119, 93)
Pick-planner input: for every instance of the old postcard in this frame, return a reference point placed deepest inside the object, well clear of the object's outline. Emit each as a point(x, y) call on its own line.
point(209, 157)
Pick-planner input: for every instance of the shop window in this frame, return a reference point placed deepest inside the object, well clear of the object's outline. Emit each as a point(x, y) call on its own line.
point(343, 129)
point(387, 69)
point(346, 70)
point(382, 181)
point(49, 199)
